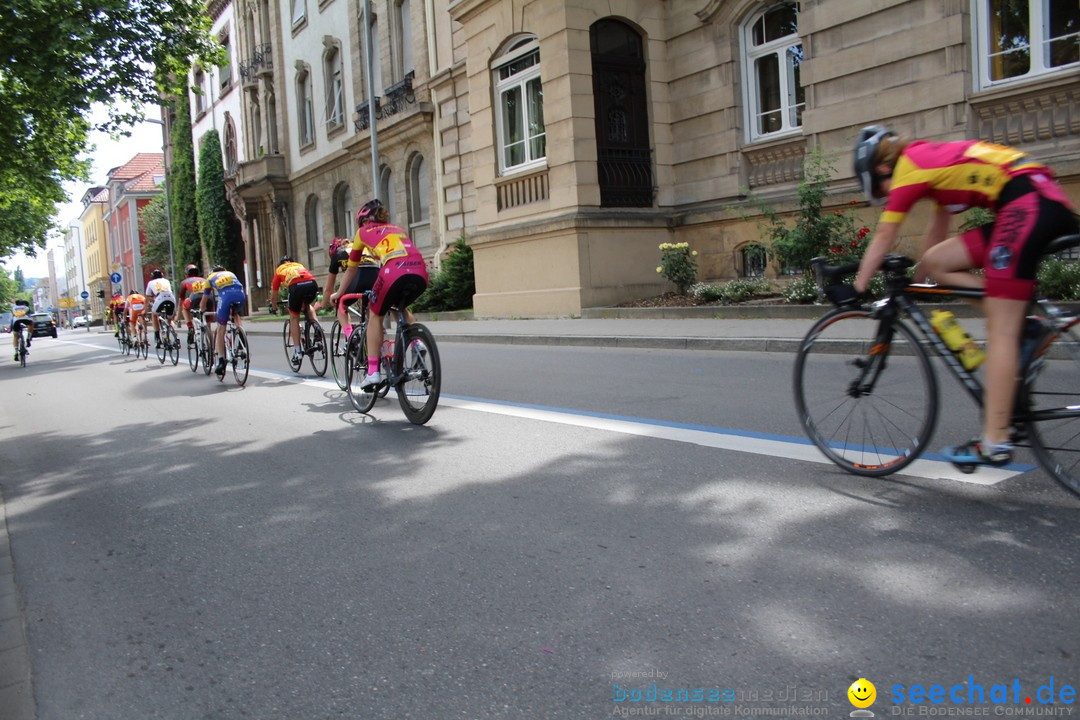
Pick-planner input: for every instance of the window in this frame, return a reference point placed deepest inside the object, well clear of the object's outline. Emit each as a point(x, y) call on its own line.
point(299, 12)
point(335, 88)
point(231, 151)
point(1019, 39)
point(344, 222)
point(519, 102)
point(313, 222)
point(386, 191)
point(419, 202)
point(750, 260)
point(199, 83)
point(225, 70)
point(305, 110)
point(403, 55)
point(775, 98)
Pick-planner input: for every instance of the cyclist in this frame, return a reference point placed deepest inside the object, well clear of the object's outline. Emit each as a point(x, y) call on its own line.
point(159, 289)
point(116, 307)
point(20, 318)
point(229, 291)
point(1030, 210)
point(363, 280)
point(136, 306)
point(303, 289)
point(403, 275)
point(193, 286)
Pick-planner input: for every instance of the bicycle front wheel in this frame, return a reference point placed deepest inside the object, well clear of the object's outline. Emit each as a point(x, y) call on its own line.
point(1052, 399)
point(869, 407)
point(315, 342)
point(241, 358)
point(417, 358)
point(338, 343)
point(356, 372)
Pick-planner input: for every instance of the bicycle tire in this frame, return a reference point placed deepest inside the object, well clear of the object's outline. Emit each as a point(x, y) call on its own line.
point(173, 344)
point(356, 371)
point(161, 348)
point(338, 346)
point(22, 349)
point(286, 342)
point(241, 359)
point(1051, 398)
point(207, 350)
point(416, 361)
point(193, 352)
point(315, 345)
point(873, 433)
point(144, 348)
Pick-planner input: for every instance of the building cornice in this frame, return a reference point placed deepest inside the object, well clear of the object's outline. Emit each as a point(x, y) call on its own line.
point(215, 8)
point(465, 10)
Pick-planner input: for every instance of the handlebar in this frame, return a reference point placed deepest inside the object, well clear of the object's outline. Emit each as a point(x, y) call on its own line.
point(352, 296)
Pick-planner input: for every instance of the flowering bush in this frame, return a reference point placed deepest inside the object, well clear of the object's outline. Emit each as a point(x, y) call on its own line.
point(678, 265)
point(802, 290)
point(732, 291)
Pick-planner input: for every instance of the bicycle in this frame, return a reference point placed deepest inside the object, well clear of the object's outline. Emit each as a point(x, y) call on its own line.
point(237, 349)
point(139, 343)
point(341, 347)
point(22, 352)
point(413, 369)
point(169, 346)
point(875, 414)
point(202, 349)
point(312, 344)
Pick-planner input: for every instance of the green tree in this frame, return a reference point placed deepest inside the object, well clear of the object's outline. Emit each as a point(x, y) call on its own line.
point(186, 243)
point(20, 280)
point(8, 290)
point(57, 59)
point(154, 224)
point(453, 286)
point(216, 226)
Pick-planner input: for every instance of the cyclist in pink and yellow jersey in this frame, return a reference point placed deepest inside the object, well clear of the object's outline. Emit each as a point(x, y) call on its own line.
point(403, 275)
point(1030, 210)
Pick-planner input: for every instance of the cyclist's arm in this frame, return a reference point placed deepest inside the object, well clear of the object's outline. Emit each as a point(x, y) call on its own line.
point(879, 247)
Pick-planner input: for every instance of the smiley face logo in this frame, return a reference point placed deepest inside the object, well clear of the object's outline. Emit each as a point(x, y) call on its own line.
point(862, 693)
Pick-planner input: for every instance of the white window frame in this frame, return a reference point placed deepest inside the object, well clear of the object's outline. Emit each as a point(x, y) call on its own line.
point(305, 108)
point(1038, 20)
point(788, 92)
point(299, 13)
point(519, 49)
point(335, 87)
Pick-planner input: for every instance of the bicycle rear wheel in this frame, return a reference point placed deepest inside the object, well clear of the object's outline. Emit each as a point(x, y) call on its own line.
point(207, 350)
point(1052, 398)
point(356, 371)
point(161, 346)
point(22, 349)
point(172, 344)
point(193, 352)
point(315, 343)
point(338, 344)
point(417, 358)
point(241, 359)
point(870, 408)
point(144, 346)
point(286, 341)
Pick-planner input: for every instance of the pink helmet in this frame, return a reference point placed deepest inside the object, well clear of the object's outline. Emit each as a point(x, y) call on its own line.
point(368, 212)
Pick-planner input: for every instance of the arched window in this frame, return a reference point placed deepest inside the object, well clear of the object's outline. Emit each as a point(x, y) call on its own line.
point(773, 54)
point(386, 192)
point(519, 106)
point(305, 107)
point(313, 222)
point(271, 124)
point(231, 149)
point(419, 202)
point(750, 260)
point(335, 87)
point(344, 222)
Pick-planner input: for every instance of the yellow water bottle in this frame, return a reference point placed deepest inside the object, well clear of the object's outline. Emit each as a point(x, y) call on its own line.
point(957, 339)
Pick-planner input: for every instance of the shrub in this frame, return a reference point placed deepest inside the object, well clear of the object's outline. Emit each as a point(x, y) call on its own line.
point(801, 291)
point(732, 291)
point(453, 286)
point(1059, 279)
point(678, 265)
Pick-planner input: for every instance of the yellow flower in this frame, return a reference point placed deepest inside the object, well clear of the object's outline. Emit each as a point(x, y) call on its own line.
point(694, 253)
point(659, 269)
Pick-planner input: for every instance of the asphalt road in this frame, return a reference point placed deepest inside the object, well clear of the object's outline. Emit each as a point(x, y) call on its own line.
point(558, 538)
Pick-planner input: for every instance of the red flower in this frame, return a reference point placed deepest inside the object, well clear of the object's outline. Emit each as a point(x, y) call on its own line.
point(854, 244)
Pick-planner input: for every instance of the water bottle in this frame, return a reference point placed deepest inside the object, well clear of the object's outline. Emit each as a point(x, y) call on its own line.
point(957, 339)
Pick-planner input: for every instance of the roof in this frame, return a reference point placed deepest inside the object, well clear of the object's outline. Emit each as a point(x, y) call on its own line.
point(138, 173)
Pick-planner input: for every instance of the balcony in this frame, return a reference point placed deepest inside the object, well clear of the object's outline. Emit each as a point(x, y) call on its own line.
point(396, 99)
point(261, 60)
point(266, 172)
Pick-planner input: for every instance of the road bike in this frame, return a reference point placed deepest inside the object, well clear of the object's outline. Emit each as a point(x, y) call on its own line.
point(202, 349)
point(122, 338)
point(21, 350)
point(139, 343)
point(410, 365)
point(237, 349)
point(338, 341)
point(169, 345)
point(870, 404)
point(312, 345)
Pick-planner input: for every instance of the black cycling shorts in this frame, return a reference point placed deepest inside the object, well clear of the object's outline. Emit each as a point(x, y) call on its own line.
point(301, 293)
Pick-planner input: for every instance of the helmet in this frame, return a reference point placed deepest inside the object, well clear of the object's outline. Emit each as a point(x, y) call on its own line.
point(368, 212)
point(157, 274)
point(191, 270)
point(217, 268)
point(866, 147)
point(285, 259)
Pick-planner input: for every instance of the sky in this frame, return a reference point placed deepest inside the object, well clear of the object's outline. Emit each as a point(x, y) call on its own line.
point(107, 154)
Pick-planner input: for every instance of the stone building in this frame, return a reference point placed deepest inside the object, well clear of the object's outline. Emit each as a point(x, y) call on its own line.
point(566, 139)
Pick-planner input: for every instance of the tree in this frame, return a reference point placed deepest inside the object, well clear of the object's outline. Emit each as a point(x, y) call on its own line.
point(8, 290)
point(216, 226)
point(154, 224)
point(186, 243)
point(57, 59)
point(20, 280)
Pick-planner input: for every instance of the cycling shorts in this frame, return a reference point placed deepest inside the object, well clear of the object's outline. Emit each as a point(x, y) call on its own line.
point(17, 322)
point(301, 294)
point(227, 297)
point(1010, 247)
point(160, 301)
point(362, 281)
point(396, 291)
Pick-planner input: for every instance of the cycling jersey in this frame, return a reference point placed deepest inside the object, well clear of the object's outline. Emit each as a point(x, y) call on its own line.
point(229, 292)
point(158, 286)
point(961, 175)
point(20, 315)
point(289, 274)
point(136, 304)
point(403, 275)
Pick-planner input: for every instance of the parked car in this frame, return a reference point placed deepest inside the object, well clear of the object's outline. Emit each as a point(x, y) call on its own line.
point(80, 321)
point(44, 325)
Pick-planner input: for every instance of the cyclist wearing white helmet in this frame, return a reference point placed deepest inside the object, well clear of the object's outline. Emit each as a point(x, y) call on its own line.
point(160, 291)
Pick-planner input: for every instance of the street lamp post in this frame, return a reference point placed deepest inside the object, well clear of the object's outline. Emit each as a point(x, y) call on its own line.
point(168, 200)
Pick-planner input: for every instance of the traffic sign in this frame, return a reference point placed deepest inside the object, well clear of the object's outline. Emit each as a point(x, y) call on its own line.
point(84, 294)
point(116, 278)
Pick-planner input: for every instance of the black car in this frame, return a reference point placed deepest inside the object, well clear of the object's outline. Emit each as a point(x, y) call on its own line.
point(44, 325)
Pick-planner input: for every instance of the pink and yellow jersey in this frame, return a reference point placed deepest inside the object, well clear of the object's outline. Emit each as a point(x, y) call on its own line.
point(383, 242)
point(959, 175)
